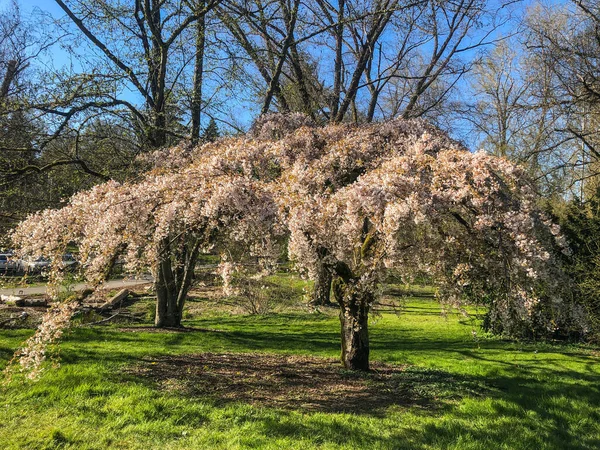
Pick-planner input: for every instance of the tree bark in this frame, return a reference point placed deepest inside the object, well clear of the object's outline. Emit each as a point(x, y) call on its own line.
point(168, 312)
point(174, 280)
point(354, 316)
point(198, 73)
point(9, 76)
point(322, 289)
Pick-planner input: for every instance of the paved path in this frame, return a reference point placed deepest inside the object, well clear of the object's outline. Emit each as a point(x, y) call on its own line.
point(41, 290)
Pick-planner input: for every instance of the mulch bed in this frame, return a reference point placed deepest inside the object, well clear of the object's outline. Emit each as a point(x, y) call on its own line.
point(288, 382)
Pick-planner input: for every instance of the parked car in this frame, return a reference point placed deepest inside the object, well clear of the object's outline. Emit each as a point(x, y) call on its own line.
point(7, 263)
point(69, 261)
point(34, 265)
point(41, 264)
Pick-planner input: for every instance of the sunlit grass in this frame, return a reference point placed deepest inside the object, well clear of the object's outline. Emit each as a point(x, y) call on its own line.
point(478, 392)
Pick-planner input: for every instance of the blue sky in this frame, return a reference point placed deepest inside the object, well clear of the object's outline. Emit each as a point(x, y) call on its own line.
point(28, 5)
point(58, 57)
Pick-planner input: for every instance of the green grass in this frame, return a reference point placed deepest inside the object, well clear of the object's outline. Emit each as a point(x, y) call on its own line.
point(14, 282)
point(474, 392)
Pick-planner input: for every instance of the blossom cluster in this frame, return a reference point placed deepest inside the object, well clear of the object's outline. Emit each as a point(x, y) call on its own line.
point(34, 352)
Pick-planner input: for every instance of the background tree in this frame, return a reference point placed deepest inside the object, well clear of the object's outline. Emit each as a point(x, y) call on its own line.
point(20, 130)
point(122, 94)
point(555, 73)
point(211, 132)
point(581, 225)
point(154, 30)
point(534, 103)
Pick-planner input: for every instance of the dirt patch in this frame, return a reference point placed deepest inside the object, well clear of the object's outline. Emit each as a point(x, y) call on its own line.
point(300, 382)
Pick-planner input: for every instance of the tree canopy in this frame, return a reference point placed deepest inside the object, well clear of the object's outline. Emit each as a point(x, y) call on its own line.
point(359, 199)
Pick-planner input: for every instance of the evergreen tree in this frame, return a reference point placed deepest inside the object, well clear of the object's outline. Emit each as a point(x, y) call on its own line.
point(581, 226)
point(211, 132)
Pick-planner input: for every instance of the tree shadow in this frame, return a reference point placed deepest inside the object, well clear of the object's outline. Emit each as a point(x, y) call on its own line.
point(520, 403)
point(530, 413)
point(305, 383)
point(511, 410)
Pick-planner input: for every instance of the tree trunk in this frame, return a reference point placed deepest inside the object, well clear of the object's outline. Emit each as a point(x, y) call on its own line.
point(9, 76)
point(372, 104)
point(168, 312)
point(354, 315)
point(174, 280)
point(198, 73)
point(322, 290)
point(339, 62)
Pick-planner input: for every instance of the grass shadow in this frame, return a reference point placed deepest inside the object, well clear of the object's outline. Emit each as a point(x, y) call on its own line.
point(305, 383)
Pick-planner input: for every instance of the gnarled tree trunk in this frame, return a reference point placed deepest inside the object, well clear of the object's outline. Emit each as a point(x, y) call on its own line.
point(354, 316)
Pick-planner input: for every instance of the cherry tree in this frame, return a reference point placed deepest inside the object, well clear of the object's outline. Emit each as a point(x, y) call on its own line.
point(160, 222)
point(355, 201)
point(403, 196)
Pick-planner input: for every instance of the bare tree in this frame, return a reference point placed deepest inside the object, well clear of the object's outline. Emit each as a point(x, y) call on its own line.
point(265, 32)
point(132, 71)
point(19, 129)
point(153, 29)
point(563, 46)
point(196, 103)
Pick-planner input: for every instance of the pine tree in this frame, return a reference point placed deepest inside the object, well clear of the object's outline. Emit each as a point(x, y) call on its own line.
point(581, 226)
point(211, 132)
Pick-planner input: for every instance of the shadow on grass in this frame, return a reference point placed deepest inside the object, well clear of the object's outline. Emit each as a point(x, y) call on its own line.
point(532, 414)
point(303, 383)
point(6, 353)
point(516, 404)
point(396, 292)
point(283, 334)
point(520, 411)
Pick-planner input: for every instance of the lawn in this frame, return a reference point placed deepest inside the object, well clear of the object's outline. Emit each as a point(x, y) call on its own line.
point(273, 382)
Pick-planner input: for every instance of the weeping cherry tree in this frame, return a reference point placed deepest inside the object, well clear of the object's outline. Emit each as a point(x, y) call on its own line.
point(355, 201)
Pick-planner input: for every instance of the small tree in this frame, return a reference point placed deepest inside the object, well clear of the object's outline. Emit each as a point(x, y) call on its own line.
point(358, 200)
point(211, 132)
